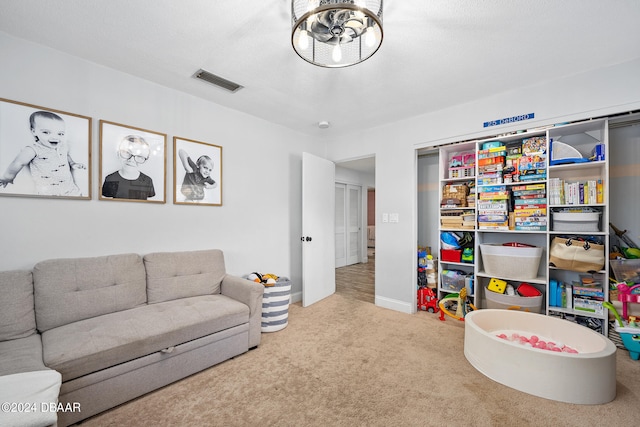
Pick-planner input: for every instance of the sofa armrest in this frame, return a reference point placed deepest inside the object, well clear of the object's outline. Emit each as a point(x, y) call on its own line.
point(249, 293)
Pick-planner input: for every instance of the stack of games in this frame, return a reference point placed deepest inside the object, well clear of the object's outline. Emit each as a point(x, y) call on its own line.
point(530, 207)
point(532, 164)
point(493, 206)
point(491, 160)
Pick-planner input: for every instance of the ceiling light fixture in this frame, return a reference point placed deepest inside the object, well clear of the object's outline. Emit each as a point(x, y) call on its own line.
point(336, 33)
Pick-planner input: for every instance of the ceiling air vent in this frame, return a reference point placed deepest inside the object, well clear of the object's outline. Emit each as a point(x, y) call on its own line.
point(217, 80)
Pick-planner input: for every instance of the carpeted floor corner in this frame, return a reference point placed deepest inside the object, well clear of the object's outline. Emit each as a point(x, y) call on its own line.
point(344, 362)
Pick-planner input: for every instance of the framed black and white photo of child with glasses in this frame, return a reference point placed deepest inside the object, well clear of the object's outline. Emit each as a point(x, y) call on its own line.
point(132, 164)
point(197, 173)
point(44, 152)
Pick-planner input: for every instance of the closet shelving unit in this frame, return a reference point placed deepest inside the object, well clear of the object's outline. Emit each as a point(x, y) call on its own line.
point(447, 178)
point(583, 137)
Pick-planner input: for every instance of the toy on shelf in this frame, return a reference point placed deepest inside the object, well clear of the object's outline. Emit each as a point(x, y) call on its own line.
point(462, 165)
point(456, 305)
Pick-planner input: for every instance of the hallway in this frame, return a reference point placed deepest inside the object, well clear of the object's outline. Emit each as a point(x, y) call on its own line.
point(358, 280)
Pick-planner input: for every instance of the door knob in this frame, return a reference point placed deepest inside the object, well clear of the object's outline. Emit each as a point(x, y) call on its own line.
point(308, 239)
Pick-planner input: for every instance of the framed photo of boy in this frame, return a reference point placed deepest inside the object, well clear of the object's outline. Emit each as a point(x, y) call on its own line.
point(132, 164)
point(197, 173)
point(44, 152)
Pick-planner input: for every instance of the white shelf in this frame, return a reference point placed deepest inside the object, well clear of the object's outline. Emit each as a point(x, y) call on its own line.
point(581, 136)
point(541, 280)
point(604, 316)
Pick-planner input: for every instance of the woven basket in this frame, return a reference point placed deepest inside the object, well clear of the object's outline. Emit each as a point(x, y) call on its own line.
point(456, 191)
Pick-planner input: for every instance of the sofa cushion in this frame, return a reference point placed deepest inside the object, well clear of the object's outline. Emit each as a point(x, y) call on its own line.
point(173, 275)
point(17, 318)
point(21, 355)
point(68, 290)
point(35, 392)
point(89, 345)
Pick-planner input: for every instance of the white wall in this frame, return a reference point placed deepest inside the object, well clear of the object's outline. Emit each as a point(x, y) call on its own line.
point(259, 224)
point(428, 202)
point(599, 92)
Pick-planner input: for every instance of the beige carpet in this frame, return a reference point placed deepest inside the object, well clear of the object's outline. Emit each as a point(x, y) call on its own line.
point(344, 362)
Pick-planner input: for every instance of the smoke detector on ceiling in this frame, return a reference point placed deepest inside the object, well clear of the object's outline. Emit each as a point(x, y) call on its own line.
point(323, 124)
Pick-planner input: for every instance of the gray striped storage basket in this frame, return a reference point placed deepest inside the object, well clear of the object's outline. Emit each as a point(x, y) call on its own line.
point(275, 305)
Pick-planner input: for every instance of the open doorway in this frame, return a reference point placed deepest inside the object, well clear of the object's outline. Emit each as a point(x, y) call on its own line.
point(355, 229)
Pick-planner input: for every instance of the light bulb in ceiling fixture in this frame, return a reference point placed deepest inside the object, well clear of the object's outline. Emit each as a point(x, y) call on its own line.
point(370, 37)
point(336, 54)
point(303, 40)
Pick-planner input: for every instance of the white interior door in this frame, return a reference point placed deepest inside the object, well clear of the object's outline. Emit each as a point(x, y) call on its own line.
point(354, 223)
point(318, 229)
point(341, 225)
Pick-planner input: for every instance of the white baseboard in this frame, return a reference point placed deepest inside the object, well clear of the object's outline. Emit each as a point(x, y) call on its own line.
point(296, 297)
point(393, 304)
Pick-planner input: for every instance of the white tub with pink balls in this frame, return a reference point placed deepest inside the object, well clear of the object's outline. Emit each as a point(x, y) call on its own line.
point(541, 355)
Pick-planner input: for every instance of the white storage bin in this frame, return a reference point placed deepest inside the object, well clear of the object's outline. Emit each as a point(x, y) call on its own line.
point(510, 262)
point(575, 221)
point(513, 302)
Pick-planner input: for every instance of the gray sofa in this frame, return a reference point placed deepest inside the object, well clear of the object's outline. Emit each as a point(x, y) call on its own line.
point(116, 327)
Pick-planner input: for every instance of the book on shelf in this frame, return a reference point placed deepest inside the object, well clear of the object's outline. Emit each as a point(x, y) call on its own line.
point(531, 212)
point(535, 202)
point(532, 172)
point(531, 228)
point(496, 195)
point(503, 226)
point(534, 177)
point(489, 181)
point(492, 204)
point(492, 218)
point(595, 292)
point(492, 188)
point(485, 213)
point(490, 160)
point(531, 163)
point(531, 221)
point(521, 207)
point(588, 305)
point(540, 186)
point(523, 193)
point(575, 193)
point(536, 145)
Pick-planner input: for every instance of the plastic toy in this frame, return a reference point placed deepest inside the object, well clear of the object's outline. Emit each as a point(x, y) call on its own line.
point(629, 331)
point(456, 305)
point(625, 296)
point(497, 285)
point(467, 255)
point(427, 300)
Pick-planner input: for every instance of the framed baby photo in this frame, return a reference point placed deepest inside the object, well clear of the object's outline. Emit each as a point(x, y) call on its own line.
point(197, 173)
point(132, 164)
point(44, 152)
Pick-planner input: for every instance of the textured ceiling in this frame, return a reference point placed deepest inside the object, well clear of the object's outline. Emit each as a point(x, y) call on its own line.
point(435, 53)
